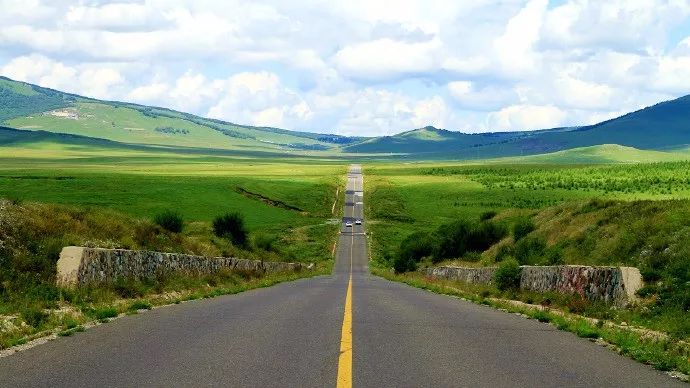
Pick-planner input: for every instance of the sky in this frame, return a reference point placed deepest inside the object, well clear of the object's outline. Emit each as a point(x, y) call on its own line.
point(359, 67)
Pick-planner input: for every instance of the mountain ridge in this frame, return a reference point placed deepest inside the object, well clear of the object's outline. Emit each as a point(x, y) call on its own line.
point(662, 126)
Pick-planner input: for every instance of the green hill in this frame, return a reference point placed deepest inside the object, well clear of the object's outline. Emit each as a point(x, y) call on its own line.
point(662, 127)
point(599, 154)
point(31, 107)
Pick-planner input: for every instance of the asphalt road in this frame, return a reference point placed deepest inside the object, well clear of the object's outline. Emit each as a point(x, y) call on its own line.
point(289, 335)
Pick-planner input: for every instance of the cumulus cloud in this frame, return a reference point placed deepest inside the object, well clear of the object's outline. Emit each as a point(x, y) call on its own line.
point(525, 117)
point(359, 67)
point(386, 59)
point(92, 80)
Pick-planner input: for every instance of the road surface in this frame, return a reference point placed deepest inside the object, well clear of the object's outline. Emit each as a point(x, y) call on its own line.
point(349, 328)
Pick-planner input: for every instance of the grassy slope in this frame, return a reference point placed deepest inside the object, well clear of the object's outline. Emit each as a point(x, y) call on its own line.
point(24, 106)
point(599, 154)
point(402, 199)
point(662, 126)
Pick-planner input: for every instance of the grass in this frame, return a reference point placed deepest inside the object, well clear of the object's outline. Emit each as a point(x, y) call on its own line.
point(605, 214)
point(61, 196)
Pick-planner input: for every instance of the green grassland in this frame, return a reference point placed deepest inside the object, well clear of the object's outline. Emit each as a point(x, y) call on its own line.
point(55, 194)
point(412, 197)
point(630, 214)
point(34, 108)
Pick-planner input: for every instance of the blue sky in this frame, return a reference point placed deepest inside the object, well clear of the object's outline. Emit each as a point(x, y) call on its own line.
point(359, 67)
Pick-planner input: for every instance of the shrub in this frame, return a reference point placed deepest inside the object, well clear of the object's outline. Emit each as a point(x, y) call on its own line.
point(170, 220)
point(507, 275)
point(34, 316)
point(529, 251)
point(487, 215)
point(554, 255)
point(140, 305)
point(146, 234)
point(404, 264)
point(460, 237)
point(504, 251)
point(522, 228)
point(265, 241)
point(415, 247)
point(105, 313)
point(231, 226)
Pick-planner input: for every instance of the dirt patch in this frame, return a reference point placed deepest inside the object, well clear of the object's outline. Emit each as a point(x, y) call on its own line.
point(267, 200)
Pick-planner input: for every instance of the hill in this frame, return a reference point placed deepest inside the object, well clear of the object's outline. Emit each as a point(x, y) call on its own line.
point(31, 107)
point(605, 153)
point(664, 126)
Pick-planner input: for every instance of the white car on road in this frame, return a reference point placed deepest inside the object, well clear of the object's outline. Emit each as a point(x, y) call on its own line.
point(348, 224)
point(358, 222)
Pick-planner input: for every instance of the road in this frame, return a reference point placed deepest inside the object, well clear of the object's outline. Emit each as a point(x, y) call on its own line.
point(349, 328)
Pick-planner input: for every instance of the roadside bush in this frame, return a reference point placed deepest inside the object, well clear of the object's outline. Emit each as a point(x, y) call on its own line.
point(231, 226)
point(140, 305)
point(170, 220)
point(34, 316)
point(146, 234)
point(530, 251)
point(554, 255)
point(416, 246)
point(460, 237)
point(522, 228)
point(487, 215)
point(104, 313)
point(404, 264)
point(507, 275)
point(265, 241)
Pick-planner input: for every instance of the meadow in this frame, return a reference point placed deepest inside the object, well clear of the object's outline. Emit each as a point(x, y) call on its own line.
point(405, 198)
point(541, 214)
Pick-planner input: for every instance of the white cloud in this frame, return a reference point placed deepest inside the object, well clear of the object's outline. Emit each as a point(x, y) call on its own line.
point(468, 96)
point(259, 99)
point(515, 47)
point(362, 66)
point(386, 59)
point(93, 81)
point(525, 117)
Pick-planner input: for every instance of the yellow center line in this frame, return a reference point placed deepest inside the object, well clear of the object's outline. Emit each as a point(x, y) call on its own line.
point(345, 359)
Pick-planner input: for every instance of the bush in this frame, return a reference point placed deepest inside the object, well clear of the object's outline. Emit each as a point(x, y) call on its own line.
point(507, 275)
point(487, 215)
point(231, 226)
point(522, 228)
point(554, 255)
point(529, 251)
point(404, 264)
point(34, 316)
point(415, 247)
point(265, 241)
point(104, 313)
point(140, 305)
point(170, 220)
point(460, 237)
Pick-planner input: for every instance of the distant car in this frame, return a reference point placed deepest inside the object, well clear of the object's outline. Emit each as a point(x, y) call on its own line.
point(358, 222)
point(348, 224)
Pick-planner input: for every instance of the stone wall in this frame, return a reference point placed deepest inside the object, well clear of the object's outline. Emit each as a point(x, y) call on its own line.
point(609, 284)
point(79, 266)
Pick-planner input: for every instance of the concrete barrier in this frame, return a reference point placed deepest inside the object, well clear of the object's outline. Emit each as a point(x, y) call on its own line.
point(615, 285)
point(79, 266)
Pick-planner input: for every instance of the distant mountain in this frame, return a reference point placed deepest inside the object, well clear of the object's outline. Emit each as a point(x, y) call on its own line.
point(664, 126)
point(31, 107)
